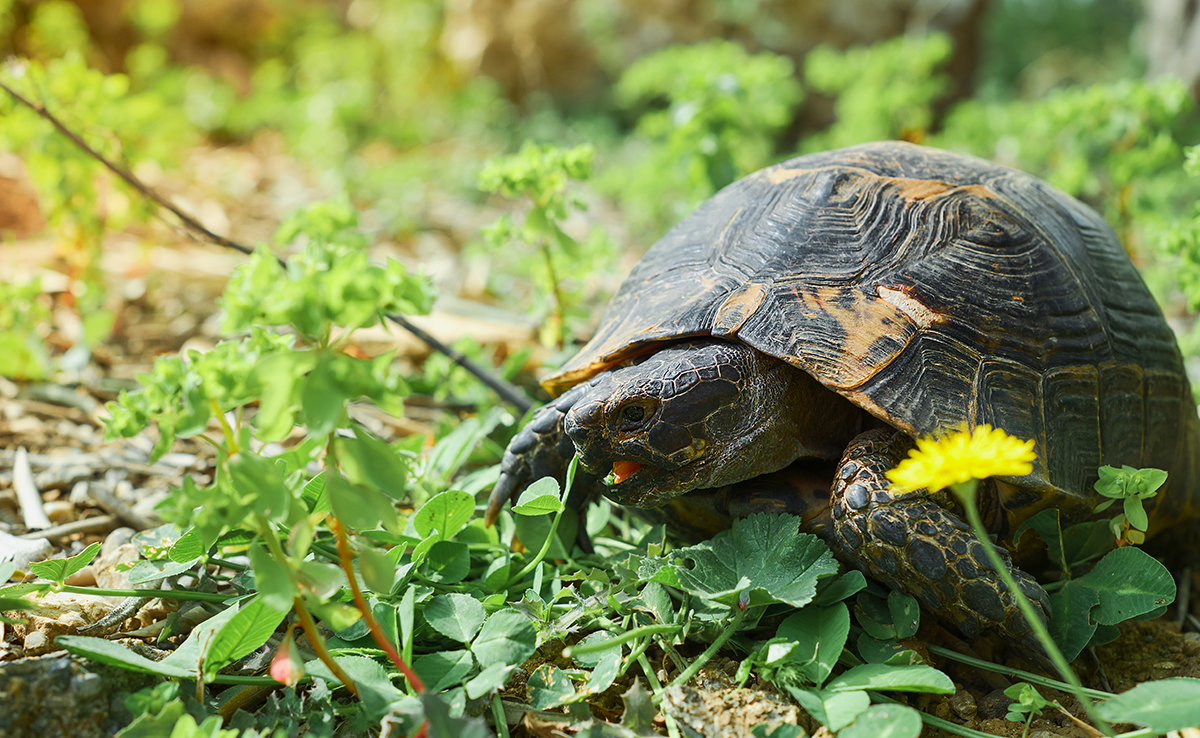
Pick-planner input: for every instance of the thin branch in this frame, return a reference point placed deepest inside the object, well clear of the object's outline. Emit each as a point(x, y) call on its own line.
point(123, 173)
point(506, 390)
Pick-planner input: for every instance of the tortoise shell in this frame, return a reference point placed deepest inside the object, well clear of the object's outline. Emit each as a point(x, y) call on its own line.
point(933, 290)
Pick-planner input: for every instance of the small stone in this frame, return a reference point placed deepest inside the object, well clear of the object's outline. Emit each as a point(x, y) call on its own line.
point(994, 705)
point(35, 642)
point(963, 704)
point(59, 511)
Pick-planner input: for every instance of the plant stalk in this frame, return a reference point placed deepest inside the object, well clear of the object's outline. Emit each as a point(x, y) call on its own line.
point(966, 494)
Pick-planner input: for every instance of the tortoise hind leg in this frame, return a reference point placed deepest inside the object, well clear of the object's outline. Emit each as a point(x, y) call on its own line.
point(913, 544)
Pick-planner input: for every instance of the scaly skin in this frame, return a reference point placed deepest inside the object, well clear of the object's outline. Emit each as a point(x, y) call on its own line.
point(916, 544)
point(540, 449)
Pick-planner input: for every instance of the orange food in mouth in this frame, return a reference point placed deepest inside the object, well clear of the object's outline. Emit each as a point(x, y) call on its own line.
point(623, 470)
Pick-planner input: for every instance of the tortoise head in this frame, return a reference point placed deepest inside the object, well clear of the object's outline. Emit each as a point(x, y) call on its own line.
point(693, 415)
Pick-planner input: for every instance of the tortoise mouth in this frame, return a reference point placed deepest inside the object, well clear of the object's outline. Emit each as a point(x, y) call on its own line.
point(635, 484)
point(623, 469)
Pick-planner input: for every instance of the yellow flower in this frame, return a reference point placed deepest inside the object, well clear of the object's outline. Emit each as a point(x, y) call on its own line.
point(955, 458)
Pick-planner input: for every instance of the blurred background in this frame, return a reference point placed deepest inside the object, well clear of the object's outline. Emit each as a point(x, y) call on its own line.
point(241, 111)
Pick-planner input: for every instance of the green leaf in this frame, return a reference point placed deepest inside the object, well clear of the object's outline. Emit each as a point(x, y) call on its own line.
point(446, 513)
point(443, 669)
point(359, 507)
point(539, 498)
point(322, 399)
point(639, 710)
point(448, 562)
point(763, 554)
point(782, 730)
point(1135, 513)
point(274, 585)
point(507, 637)
point(104, 651)
point(259, 480)
point(550, 687)
point(820, 634)
point(604, 672)
point(369, 461)
point(155, 724)
point(1085, 542)
point(836, 590)
point(320, 579)
point(57, 570)
point(905, 613)
point(1130, 583)
point(456, 616)
point(874, 616)
point(253, 624)
point(1071, 625)
point(884, 721)
point(875, 651)
point(1129, 482)
point(378, 569)
point(277, 374)
point(491, 678)
point(379, 696)
point(834, 710)
point(898, 678)
point(187, 548)
point(437, 712)
point(314, 495)
point(1163, 706)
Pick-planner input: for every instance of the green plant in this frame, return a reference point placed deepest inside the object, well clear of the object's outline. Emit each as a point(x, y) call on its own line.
point(1029, 704)
point(711, 113)
point(544, 175)
point(23, 314)
point(883, 91)
point(1131, 486)
point(78, 195)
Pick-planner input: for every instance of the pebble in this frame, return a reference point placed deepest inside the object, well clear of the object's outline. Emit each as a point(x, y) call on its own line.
point(994, 705)
point(963, 704)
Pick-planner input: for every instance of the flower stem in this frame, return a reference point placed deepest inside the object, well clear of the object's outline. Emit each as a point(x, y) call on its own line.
point(581, 649)
point(966, 494)
point(739, 614)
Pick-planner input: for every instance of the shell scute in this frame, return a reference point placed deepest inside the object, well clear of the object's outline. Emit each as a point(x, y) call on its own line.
point(933, 290)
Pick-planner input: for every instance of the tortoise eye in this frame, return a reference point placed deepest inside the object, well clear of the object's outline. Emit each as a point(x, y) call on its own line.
point(633, 415)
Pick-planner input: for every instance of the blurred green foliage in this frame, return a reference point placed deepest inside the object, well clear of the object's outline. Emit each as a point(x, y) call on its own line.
point(1031, 46)
point(367, 99)
point(543, 174)
point(885, 91)
point(712, 113)
point(23, 314)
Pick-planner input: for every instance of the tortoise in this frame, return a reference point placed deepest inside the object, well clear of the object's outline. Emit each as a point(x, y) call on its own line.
point(783, 345)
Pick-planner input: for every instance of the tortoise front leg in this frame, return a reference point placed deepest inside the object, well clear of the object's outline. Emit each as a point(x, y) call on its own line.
point(916, 545)
point(540, 449)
